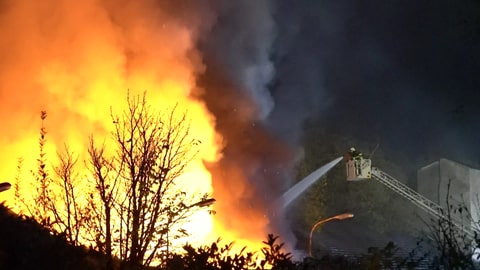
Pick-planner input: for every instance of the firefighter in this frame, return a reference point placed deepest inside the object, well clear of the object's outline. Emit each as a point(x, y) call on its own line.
point(348, 156)
point(356, 157)
point(353, 153)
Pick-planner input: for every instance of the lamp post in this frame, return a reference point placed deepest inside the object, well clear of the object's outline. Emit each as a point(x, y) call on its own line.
point(337, 217)
point(200, 204)
point(203, 203)
point(5, 186)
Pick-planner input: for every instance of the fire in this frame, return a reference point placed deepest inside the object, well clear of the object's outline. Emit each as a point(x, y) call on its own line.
point(76, 60)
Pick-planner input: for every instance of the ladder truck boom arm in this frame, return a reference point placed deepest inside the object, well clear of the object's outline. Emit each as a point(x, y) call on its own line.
point(419, 200)
point(408, 193)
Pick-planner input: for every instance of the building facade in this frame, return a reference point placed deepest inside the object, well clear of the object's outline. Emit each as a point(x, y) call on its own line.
point(446, 182)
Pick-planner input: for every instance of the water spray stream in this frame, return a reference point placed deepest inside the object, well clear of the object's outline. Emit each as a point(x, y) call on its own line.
point(295, 191)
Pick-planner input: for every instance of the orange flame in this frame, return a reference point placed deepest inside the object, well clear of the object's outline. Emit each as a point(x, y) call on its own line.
point(76, 59)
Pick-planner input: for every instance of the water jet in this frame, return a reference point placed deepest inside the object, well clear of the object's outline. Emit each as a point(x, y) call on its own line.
point(290, 195)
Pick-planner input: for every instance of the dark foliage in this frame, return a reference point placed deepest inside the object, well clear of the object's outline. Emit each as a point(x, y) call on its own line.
point(217, 257)
point(332, 262)
point(24, 244)
point(275, 256)
point(210, 258)
point(389, 258)
point(453, 240)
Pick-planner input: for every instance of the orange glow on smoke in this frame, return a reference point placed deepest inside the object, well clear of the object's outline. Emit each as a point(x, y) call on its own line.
point(75, 60)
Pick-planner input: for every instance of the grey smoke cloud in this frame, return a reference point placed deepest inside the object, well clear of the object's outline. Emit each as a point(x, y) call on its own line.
point(242, 41)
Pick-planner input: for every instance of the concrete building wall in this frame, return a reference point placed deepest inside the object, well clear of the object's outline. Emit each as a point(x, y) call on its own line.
point(434, 179)
point(428, 181)
point(458, 177)
point(474, 196)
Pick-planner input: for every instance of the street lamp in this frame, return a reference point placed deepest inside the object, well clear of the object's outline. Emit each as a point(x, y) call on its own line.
point(337, 217)
point(203, 203)
point(5, 186)
point(200, 204)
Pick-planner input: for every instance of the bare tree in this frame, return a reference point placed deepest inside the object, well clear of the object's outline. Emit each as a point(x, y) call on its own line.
point(42, 201)
point(137, 189)
point(69, 214)
point(106, 192)
point(57, 209)
point(454, 246)
point(132, 207)
point(19, 202)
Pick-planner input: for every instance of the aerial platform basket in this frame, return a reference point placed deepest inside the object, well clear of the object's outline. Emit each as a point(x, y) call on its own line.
point(358, 167)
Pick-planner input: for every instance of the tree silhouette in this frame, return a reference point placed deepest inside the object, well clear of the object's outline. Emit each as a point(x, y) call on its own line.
point(137, 189)
point(454, 247)
point(69, 212)
point(131, 206)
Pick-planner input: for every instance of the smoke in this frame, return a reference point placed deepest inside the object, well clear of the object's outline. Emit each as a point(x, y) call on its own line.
point(241, 40)
point(248, 178)
point(261, 119)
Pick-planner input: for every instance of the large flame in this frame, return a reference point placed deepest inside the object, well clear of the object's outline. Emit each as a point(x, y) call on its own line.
point(76, 59)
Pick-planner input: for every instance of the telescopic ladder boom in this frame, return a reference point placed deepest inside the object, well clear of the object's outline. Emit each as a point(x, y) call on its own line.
point(408, 193)
point(417, 199)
